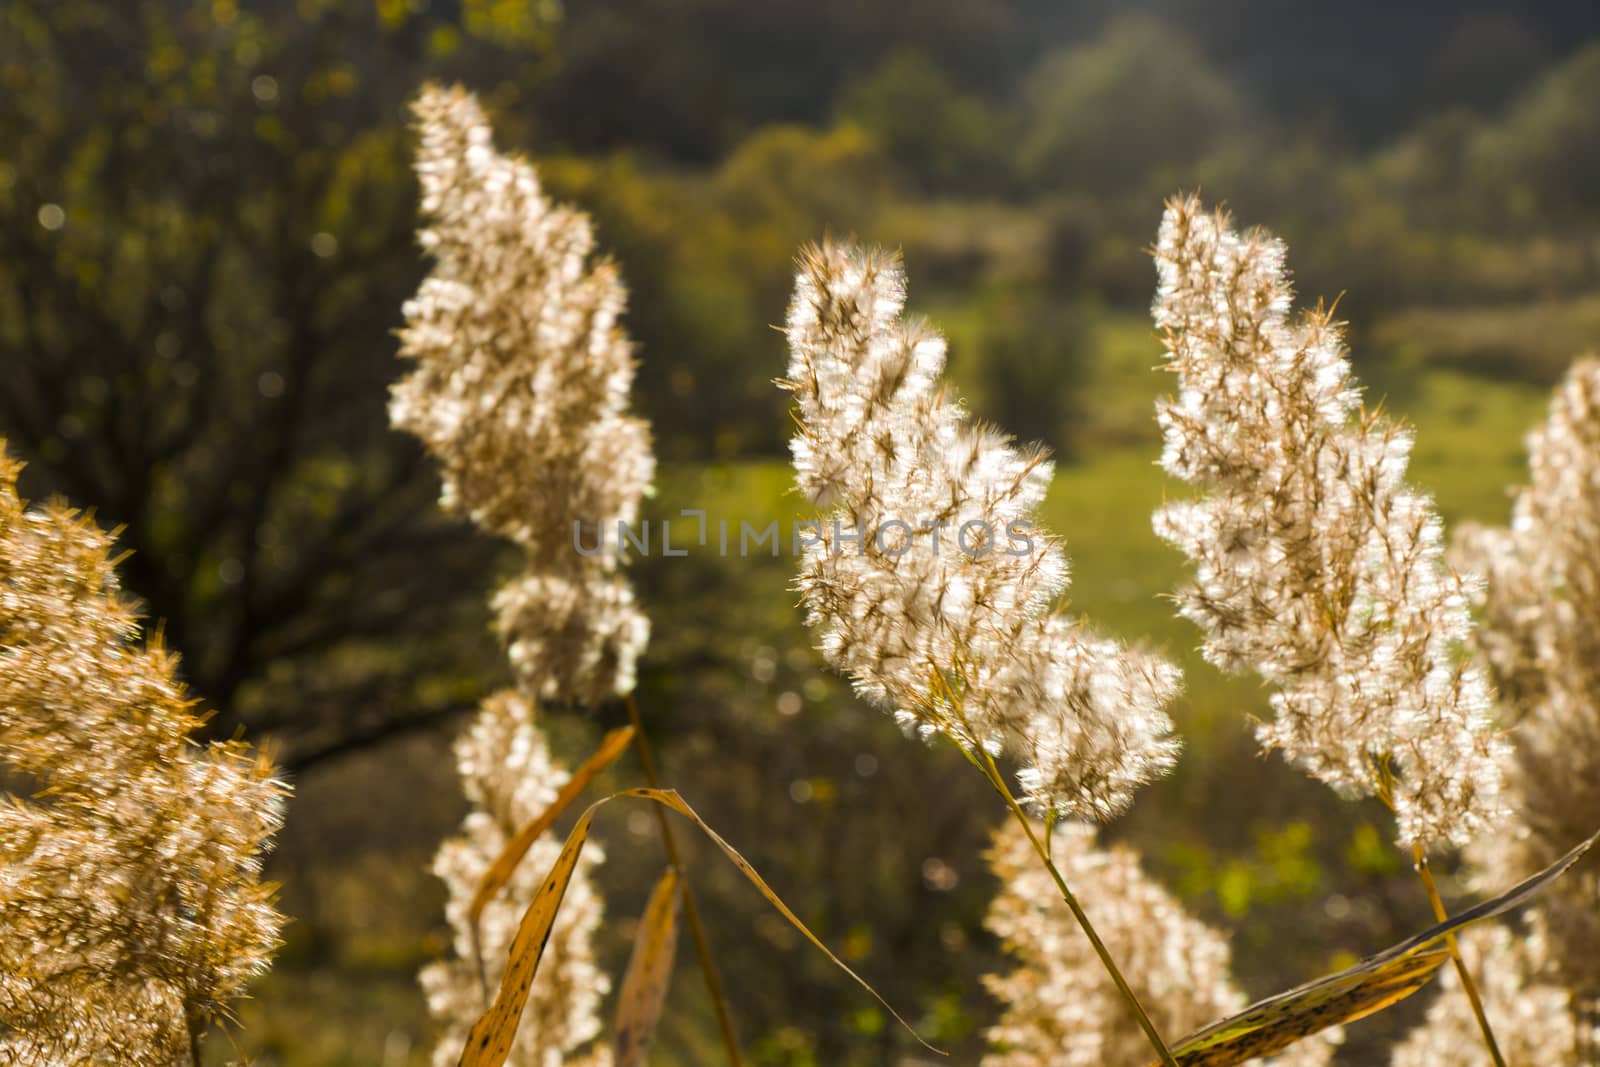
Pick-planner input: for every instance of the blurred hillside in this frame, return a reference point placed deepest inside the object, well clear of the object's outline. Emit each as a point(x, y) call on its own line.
point(206, 219)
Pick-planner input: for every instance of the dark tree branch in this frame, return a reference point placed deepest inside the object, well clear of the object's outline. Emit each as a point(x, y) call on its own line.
point(299, 760)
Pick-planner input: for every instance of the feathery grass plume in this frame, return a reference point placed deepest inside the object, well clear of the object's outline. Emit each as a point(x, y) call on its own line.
point(1541, 639)
point(941, 610)
point(131, 906)
point(1061, 1009)
point(1316, 564)
point(510, 777)
point(1533, 1020)
point(521, 391)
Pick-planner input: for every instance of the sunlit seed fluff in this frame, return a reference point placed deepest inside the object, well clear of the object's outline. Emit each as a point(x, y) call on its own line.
point(1316, 565)
point(520, 390)
point(132, 912)
point(950, 624)
point(509, 776)
point(1540, 636)
point(1060, 1008)
point(571, 639)
point(1532, 1020)
point(522, 369)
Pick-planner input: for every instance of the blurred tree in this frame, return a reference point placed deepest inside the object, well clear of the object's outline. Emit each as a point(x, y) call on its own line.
point(1544, 157)
point(1032, 360)
point(1483, 62)
point(796, 181)
point(701, 292)
point(688, 79)
point(1360, 72)
point(945, 140)
point(207, 236)
point(1133, 107)
point(708, 259)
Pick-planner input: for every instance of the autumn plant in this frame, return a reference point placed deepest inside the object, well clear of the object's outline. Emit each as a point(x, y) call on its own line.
point(520, 390)
point(132, 911)
point(1318, 567)
point(933, 589)
point(1058, 1007)
point(131, 907)
point(957, 639)
point(1540, 641)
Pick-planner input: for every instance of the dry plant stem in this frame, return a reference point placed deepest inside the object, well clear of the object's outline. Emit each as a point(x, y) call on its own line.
point(1467, 983)
point(998, 781)
point(691, 912)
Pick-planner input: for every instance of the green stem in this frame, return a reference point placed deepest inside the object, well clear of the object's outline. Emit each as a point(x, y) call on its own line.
point(998, 781)
point(1467, 983)
point(197, 1029)
point(691, 911)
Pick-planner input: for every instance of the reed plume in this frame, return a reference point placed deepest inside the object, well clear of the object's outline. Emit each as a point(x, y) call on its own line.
point(1540, 638)
point(1532, 1018)
point(930, 613)
point(510, 777)
point(132, 912)
point(1316, 565)
point(1060, 1008)
point(929, 582)
point(520, 390)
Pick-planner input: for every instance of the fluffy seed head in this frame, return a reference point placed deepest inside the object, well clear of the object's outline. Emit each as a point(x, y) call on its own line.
point(930, 584)
point(510, 777)
point(1541, 639)
point(1060, 1007)
point(131, 906)
point(520, 390)
point(522, 369)
point(1316, 565)
point(1532, 1020)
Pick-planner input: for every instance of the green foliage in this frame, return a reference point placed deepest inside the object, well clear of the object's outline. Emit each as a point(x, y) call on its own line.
point(1369, 853)
point(1031, 365)
point(1544, 157)
point(796, 181)
point(943, 138)
point(1128, 110)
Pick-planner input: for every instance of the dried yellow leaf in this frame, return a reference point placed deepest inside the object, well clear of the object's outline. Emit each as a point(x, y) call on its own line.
point(644, 986)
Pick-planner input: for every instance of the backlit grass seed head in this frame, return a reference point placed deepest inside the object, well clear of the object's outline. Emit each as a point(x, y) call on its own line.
point(957, 637)
point(510, 777)
point(571, 638)
point(1541, 638)
point(521, 391)
point(131, 907)
point(1316, 565)
point(522, 369)
point(1061, 1009)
